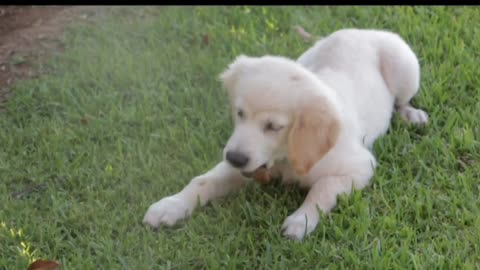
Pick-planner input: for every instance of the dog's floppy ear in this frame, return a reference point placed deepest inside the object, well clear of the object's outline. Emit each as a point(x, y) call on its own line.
point(314, 132)
point(230, 76)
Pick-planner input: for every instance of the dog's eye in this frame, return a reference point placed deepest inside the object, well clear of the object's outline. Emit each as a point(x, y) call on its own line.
point(270, 126)
point(240, 113)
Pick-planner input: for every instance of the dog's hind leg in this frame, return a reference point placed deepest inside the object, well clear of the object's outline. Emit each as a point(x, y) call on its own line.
point(401, 71)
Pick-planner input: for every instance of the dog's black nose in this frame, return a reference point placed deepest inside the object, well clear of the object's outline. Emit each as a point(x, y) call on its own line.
point(237, 159)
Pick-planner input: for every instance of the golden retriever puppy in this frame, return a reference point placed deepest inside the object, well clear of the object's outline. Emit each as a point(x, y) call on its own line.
point(313, 120)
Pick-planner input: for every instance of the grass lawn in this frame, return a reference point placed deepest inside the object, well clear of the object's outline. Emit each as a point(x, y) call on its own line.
point(133, 110)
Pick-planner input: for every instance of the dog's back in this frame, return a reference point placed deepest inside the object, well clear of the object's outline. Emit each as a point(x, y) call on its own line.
point(369, 70)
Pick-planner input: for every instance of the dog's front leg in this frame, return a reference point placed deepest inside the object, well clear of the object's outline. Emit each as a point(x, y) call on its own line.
point(322, 195)
point(217, 182)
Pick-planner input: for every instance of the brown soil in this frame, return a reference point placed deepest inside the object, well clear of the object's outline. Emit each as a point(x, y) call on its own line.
point(28, 35)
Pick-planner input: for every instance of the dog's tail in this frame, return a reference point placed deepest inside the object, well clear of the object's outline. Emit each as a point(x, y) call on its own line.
point(305, 35)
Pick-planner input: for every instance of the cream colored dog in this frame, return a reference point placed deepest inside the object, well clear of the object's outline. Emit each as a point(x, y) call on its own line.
point(313, 121)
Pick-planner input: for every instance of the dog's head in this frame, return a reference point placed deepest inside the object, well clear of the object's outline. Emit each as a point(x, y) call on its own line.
point(280, 110)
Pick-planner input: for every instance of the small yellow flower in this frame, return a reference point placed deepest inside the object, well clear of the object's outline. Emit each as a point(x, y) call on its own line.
point(270, 24)
point(109, 168)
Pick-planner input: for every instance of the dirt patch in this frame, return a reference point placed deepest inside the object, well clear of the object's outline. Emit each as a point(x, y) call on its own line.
point(28, 35)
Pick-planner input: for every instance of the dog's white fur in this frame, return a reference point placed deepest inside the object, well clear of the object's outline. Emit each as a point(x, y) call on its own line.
point(315, 120)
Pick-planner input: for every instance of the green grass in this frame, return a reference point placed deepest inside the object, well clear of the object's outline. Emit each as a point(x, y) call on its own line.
point(144, 81)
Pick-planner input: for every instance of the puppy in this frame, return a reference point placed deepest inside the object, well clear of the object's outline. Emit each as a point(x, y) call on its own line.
point(312, 121)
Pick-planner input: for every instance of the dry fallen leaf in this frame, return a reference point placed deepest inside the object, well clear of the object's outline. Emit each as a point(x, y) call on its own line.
point(84, 120)
point(205, 39)
point(44, 265)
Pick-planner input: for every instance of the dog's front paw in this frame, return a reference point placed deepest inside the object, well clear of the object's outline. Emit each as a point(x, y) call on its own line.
point(299, 224)
point(168, 211)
